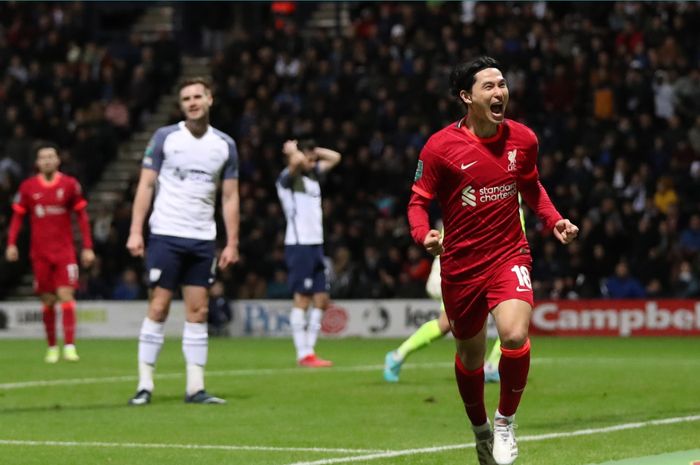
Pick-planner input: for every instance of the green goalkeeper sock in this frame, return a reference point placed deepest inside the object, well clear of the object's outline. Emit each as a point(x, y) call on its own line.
point(495, 354)
point(426, 334)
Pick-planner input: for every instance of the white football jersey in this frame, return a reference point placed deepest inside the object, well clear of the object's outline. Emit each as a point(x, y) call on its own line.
point(301, 200)
point(189, 170)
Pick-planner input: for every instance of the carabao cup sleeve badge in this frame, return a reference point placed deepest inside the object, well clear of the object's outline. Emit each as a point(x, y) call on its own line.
point(419, 171)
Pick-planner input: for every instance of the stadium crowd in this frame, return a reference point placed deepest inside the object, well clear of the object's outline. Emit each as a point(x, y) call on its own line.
point(60, 83)
point(611, 89)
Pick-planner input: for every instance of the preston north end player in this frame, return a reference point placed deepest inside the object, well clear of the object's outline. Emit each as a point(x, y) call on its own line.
point(182, 168)
point(299, 192)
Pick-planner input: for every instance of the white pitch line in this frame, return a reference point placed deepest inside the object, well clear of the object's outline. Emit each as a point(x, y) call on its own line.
point(136, 445)
point(539, 437)
point(297, 370)
point(242, 372)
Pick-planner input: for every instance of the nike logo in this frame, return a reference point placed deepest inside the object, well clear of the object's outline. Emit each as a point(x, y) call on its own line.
point(464, 167)
point(522, 289)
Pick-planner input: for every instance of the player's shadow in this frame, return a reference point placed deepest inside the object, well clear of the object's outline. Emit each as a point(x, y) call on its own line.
point(62, 408)
point(165, 399)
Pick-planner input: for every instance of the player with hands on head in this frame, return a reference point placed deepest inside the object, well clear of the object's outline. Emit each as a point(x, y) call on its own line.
point(299, 191)
point(187, 162)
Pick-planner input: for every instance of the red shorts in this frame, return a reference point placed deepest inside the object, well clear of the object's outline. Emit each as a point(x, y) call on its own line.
point(52, 273)
point(468, 304)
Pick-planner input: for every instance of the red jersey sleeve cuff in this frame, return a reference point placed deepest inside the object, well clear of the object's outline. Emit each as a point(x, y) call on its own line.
point(19, 209)
point(421, 192)
point(553, 222)
point(80, 205)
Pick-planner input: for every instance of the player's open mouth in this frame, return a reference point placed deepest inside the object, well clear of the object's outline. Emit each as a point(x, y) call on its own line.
point(497, 109)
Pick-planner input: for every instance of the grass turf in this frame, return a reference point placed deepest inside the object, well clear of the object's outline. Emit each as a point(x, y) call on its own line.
point(77, 413)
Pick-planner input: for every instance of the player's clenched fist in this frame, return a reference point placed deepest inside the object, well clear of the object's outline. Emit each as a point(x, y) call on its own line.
point(433, 242)
point(11, 253)
point(565, 231)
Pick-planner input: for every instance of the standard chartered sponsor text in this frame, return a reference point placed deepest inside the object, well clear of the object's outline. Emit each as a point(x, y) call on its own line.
point(490, 194)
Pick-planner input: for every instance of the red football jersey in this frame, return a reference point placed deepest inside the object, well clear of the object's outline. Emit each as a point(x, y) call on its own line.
point(476, 182)
point(50, 206)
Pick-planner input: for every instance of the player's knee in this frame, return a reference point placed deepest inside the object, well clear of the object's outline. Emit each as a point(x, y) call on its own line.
point(49, 300)
point(64, 296)
point(514, 338)
point(158, 311)
point(321, 301)
point(198, 314)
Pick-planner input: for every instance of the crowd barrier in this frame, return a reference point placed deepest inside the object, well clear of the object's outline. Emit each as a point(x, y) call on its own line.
point(371, 318)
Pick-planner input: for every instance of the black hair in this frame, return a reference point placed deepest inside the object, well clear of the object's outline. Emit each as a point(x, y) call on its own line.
point(43, 144)
point(462, 76)
point(306, 144)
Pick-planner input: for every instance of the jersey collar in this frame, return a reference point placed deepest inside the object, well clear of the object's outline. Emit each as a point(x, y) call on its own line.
point(184, 127)
point(483, 140)
point(57, 177)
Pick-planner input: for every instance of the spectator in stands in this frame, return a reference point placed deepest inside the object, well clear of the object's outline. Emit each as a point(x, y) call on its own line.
point(277, 287)
point(665, 195)
point(397, 74)
point(220, 313)
point(685, 283)
point(622, 285)
point(127, 287)
point(690, 236)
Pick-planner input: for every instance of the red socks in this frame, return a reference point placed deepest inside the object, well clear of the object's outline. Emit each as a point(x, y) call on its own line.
point(68, 310)
point(68, 314)
point(49, 317)
point(471, 388)
point(513, 368)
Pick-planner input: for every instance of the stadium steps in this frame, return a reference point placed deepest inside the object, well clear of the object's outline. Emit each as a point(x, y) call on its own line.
point(330, 16)
point(126, 166)
point(124, 169)
point(154, 20)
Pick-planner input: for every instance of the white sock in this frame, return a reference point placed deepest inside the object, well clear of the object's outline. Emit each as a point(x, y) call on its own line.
point(195, 379)
point(195, 347)
point(195, 343)
point(315, 316)
point(145, 377)
point(297, 323)
point(481, 428)
point(500, 416)
point(150, 342)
